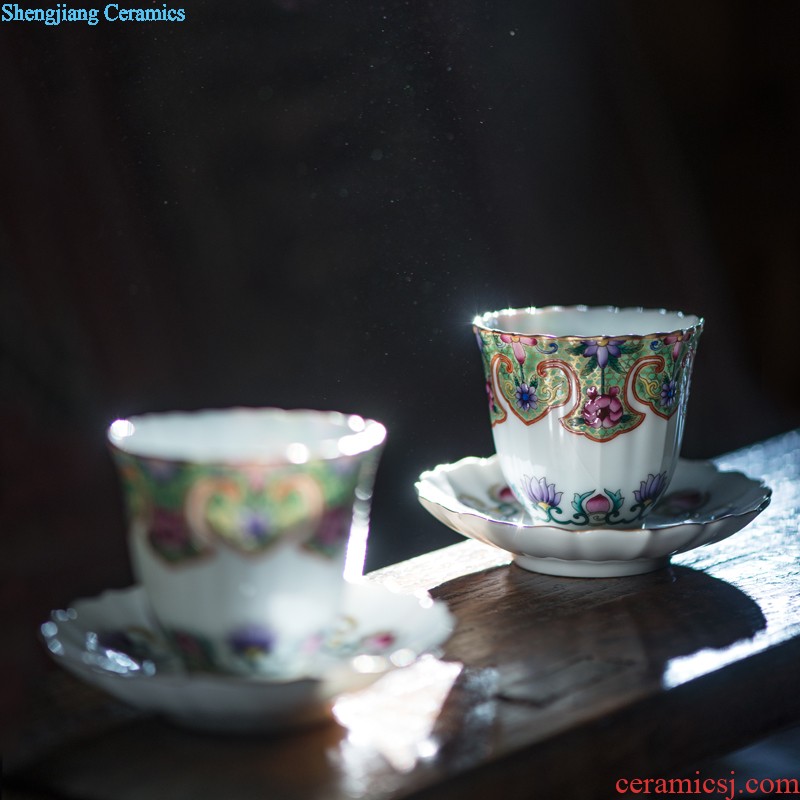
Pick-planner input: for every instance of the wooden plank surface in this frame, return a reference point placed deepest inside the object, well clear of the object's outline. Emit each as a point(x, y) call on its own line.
point(552, 687)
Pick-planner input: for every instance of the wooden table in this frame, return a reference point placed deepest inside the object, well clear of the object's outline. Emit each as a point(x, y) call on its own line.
point(549, 687)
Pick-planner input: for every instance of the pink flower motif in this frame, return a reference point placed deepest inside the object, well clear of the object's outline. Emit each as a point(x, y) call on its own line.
point(169, 533)
point(332, 532)
point(684, 501)
point(378, 642)
point(599, 504)
point(506, 495)
point(312, 644)
point(675, 339)
point(255, 475)
point(334, 527)
point(490, 396)
point(516, 343)
point(187, 644)
point(602, 410)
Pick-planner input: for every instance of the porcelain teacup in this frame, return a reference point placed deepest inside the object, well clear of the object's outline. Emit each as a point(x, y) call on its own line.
point(587, 406)
point(239, 524)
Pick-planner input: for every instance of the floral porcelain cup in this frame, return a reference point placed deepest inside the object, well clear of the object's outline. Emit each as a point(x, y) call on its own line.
point(587, 407)
point(239, 524)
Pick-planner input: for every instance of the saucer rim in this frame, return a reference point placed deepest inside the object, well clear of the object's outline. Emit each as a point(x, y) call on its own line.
point(445, 620)
point(526, 523)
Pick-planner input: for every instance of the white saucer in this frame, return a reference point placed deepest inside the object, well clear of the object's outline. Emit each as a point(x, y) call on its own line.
point(702, 505)
point(111, 642)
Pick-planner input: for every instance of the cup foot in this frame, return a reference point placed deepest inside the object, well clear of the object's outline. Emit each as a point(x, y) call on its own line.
point(589, 569)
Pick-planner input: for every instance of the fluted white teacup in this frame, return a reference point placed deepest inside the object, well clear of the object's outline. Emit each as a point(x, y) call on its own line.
point(239, 524)
point(587, 406)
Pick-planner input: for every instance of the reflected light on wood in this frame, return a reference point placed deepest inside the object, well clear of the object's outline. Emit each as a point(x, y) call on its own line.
point(395, 717)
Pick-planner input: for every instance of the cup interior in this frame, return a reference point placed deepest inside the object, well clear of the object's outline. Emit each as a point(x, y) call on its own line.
point(242, 435)
point(586, 321)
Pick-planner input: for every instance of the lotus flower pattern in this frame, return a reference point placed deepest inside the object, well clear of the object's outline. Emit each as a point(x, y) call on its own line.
point(544, 495)
point(650, 489)
point(251, 641)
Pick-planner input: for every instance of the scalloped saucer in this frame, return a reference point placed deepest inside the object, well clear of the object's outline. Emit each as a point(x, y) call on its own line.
point(702, 505)
point(111, 642)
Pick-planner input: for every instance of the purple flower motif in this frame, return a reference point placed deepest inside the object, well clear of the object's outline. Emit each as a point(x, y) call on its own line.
point(650, 489)
point(668, 392)
point(542, 493)
point(251, 640)
point(160, 469)
point(602, 410)
point(526, 397)
point(603, 348)
point(255, 526)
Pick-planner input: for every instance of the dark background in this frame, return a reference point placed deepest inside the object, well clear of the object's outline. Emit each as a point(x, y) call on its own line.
point(303, 204)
